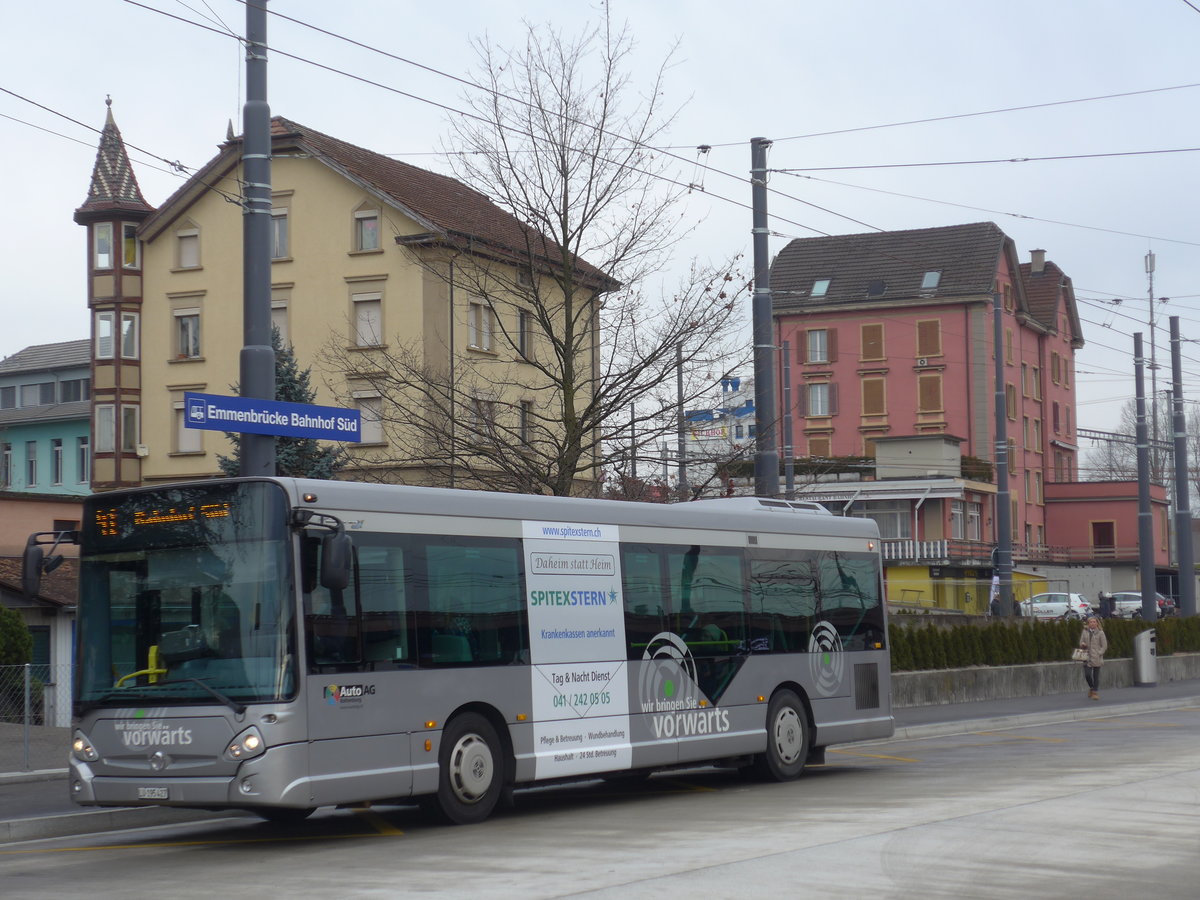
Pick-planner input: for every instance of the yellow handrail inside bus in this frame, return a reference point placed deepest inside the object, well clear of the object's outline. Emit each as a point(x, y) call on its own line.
point(153, 668)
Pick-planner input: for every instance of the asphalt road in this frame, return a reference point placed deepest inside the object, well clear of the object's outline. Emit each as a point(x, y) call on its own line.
point(1100, 806)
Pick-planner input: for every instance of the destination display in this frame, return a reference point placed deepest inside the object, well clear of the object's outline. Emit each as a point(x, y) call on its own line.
point(577, 647)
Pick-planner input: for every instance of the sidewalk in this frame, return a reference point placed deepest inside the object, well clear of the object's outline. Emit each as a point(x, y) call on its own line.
point(36, 804)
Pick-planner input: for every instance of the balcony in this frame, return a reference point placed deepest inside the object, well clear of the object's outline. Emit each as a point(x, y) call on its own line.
point(949, 552)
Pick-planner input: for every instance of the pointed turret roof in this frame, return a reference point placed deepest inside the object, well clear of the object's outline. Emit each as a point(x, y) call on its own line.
point(114, 186)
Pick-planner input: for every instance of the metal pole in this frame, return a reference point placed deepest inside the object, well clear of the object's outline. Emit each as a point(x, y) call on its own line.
point(679, 435)
point(257, 357)
point(789, 453)
point(1004, 563)
point(1184, 555)
point(766, 455)
point(1145, 522)
point(27, 712)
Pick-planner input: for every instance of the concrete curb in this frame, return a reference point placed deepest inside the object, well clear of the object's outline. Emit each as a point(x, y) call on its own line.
point(1027, 720)
point(33, 775)
point(95, 821)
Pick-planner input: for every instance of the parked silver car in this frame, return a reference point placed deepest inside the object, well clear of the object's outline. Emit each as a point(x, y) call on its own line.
point(1055, 605)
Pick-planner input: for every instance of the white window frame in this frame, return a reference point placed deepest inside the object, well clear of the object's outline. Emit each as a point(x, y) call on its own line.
point(130, 338)
point(817, 345)
point(182, 348)
point(279, 320)
point(368, 319)
point(187, 248)
point(820, 287)
point(187, 440)
point(103, 259)
point(106, 345)
point(31, 463)
point(56, 461)
point(129, 230)
point(360, 218)
point(6, 465)
point(130, 427)
point(280, 234)
point(83, 458)
point(818, 399)
point(479, 326)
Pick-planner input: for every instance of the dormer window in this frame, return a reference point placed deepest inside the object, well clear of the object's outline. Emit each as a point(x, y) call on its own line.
point(931, 280)
point(820, 287)
point(876, 288)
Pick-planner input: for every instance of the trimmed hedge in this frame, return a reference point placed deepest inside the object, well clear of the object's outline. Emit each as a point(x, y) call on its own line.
point(917, 648)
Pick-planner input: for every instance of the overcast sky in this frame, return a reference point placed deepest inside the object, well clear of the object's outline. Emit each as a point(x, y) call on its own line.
point(816, 77)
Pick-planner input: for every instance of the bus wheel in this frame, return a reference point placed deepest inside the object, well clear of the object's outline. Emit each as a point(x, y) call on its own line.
point(472, 770)
point(284, 815)
point(787, 739)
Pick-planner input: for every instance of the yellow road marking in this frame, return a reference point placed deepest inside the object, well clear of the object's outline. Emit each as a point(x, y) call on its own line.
point(378, 822)
point(874, 755)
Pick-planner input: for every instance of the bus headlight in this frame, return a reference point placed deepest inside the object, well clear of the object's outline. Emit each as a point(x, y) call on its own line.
point(82, 748)
point(246, 745)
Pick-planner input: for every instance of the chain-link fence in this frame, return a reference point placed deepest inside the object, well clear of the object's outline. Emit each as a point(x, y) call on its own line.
point(35, 710)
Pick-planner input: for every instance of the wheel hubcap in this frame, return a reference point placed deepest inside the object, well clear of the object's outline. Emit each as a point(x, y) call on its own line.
point(471, 768)
point(789, 736)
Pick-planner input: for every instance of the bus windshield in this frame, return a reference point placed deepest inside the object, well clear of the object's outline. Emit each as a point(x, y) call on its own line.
point(185, 596)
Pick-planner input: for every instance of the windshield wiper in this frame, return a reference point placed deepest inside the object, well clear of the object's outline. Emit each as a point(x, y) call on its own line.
point(238, 708)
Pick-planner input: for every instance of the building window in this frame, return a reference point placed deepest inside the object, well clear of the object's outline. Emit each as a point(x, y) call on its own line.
point(366, 230)
point(73, 389)
point(479, 327)
point(31, 472)
point(929, 393)
point(931, 280)
point(929, 338)
point(524, 333)
point(6, 463)
point(820, 287)
point(131, 247)
point(105, 334)
point(817, 341)
point(40, 394)
point(1036, 387)
point(106, 428)
point(894, 517)
point(370, 408)
point(1008, 300)
point(56, 461)
point(279, 321)
point(368, 320)
point(525, 423)
point(279, 234)
point(1055, 367)
point(873, 397)
point(129, 429)
point(129, 335)
point(1037, 435)
point(187, 334)
point(818, 447)
point(818, 399)
point(83, 461)
point(1025, 432)
point(188, 248)
point(1038, 496)
point(1025, 379)
point(1008, 346)
point(8, 397)
point(872, 341)
point(187, 440)
point(1010, 401)
point(102, 245)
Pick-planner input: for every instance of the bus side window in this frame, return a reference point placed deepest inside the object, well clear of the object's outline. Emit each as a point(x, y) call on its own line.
point(707, 590)
point(783, 604)
point(382, 577)
point(645, 617)
point(475, 607)
point(330, 618)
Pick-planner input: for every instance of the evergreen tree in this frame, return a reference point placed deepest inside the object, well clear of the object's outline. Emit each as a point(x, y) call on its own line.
point(294, 457)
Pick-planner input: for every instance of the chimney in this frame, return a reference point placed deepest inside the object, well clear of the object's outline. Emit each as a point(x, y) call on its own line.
point(1038, 258)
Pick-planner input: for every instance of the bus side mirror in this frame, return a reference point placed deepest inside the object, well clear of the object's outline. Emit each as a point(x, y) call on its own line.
point(31, 570)
point(337, 552)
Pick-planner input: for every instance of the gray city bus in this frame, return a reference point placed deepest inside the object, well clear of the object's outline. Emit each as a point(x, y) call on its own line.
point(278, 645)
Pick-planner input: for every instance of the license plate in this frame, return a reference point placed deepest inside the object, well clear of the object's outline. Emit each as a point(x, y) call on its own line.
point(152, 793)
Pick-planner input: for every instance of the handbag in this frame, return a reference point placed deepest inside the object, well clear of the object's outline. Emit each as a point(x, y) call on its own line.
point(1079, 655)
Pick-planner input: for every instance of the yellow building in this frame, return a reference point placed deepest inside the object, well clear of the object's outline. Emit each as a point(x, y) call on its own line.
point(373, 261)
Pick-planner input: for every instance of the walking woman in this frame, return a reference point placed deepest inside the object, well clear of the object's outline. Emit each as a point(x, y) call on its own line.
point(1094, 642)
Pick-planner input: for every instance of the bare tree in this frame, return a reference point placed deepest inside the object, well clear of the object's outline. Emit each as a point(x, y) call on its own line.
point(567, 327)
point(1116, 459)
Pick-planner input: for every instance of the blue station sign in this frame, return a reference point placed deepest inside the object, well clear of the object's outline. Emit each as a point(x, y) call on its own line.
point(247, 415)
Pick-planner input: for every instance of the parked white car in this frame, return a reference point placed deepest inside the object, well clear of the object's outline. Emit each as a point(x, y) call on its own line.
point(1129, 604)
point(1055, 605)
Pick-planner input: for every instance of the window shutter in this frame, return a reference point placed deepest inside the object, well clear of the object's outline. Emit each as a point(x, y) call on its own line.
point(833, 398)
point(832, 344)
point(872, 394)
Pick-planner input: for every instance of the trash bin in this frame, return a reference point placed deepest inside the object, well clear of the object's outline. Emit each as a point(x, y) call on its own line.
point(1145, 658)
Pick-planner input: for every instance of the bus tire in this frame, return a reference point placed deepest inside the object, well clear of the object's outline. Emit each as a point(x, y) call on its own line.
point(787, 739)
point(471, 765)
